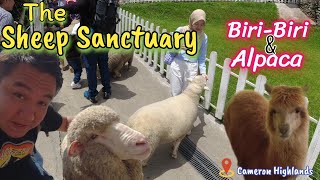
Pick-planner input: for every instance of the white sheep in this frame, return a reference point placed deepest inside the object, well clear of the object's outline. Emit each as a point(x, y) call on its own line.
point(98, 146)
point(170, 120)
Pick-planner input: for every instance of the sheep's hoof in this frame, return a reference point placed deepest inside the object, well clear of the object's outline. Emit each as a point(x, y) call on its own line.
point(174, 155)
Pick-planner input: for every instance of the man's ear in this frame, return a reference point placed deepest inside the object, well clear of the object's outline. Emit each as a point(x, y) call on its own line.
point(75, 148)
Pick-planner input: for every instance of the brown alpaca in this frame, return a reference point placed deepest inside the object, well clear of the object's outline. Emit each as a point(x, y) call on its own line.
point(265, 134)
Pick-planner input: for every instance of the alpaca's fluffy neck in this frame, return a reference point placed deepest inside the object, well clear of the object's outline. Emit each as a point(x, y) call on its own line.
point(291, 152)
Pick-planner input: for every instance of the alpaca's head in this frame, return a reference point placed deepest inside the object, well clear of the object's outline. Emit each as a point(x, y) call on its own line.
point(287, 111)
point(98, 127)
point(197, 84)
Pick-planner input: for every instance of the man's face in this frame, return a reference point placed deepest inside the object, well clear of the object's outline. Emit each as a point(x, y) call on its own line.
point(25, 95)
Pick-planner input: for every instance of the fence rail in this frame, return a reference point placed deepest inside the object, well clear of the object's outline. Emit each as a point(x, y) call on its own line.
point(155, 58)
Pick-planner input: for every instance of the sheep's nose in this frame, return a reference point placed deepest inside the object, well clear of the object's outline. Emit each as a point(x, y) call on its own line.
point(284, 129)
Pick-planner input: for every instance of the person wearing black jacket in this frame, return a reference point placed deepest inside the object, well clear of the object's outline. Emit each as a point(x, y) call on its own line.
point(86, 10)
point(28, 83)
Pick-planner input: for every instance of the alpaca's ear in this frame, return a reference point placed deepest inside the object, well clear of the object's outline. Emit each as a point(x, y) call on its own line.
point(75, 148)
point(268, 88)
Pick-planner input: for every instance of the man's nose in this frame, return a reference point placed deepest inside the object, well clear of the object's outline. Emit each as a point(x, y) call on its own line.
point(28, 114)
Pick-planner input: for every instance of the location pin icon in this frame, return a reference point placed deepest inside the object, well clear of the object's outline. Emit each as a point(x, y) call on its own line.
point(226, 164)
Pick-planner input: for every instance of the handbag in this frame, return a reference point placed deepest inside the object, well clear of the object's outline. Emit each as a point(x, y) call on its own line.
point(169, 57)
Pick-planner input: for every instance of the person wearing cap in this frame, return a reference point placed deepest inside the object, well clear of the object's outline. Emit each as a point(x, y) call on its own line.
point(185, 66)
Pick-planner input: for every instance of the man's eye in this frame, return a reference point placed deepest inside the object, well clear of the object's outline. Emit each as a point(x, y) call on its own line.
point(43, 104)
point(18, 95)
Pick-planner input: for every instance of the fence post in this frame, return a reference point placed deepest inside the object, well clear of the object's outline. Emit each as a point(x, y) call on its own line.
point(150, 50)
point(129, 22)
point(126, 21)
point(137, 51)
point(241, 84)
point(146, 28)
point(123, 22)
point(162, 54)
point(210, 82)
point(223, 89)
point(133, 24)
point(141, 42)
point(156, 51)
point(260, 82)
point(314, 148)
point(119, 24)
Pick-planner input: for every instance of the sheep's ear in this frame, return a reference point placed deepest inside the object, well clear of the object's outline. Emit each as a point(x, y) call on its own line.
point(268, 88)
point(75, 148)
point(189, 80)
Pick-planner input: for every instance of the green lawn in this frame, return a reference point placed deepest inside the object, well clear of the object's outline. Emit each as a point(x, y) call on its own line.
point(172, 15)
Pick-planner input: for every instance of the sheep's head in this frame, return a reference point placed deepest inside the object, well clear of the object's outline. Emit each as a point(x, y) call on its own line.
point(287, 110)
point(197, 84)
point(100, 125)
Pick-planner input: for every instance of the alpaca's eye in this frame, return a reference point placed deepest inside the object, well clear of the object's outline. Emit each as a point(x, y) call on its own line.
point(93, 136)
point(297, 110)
point(272, 111)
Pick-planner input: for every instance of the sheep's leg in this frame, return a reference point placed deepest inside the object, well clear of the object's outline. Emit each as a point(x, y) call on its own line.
point(117, 74)
point(130, 63)
point(176, 145)
point(117, 71)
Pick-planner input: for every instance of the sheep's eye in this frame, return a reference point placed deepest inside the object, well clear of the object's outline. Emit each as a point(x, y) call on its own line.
point(93, 136)
point(273, 111)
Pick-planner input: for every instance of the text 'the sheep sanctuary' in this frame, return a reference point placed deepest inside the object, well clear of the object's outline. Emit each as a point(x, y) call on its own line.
point(15, 37)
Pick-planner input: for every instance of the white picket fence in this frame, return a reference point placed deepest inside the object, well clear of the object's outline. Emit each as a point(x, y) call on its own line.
point(260, 1)
point(155, 59)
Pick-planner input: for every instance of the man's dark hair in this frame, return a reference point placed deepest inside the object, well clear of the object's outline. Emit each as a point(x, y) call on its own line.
point(44, 62)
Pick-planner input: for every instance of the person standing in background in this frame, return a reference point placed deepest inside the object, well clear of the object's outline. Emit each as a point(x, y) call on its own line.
point(185, 66)
point(86, 10)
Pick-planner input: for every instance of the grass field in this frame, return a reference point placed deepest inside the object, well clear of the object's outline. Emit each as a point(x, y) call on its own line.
point(172, 15)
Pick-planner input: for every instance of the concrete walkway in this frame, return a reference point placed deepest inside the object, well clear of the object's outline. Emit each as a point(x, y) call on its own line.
point(292, 12)
point(138, 87)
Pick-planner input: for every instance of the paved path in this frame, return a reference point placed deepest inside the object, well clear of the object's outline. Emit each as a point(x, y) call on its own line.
point(292, 12)
point(140, 86)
